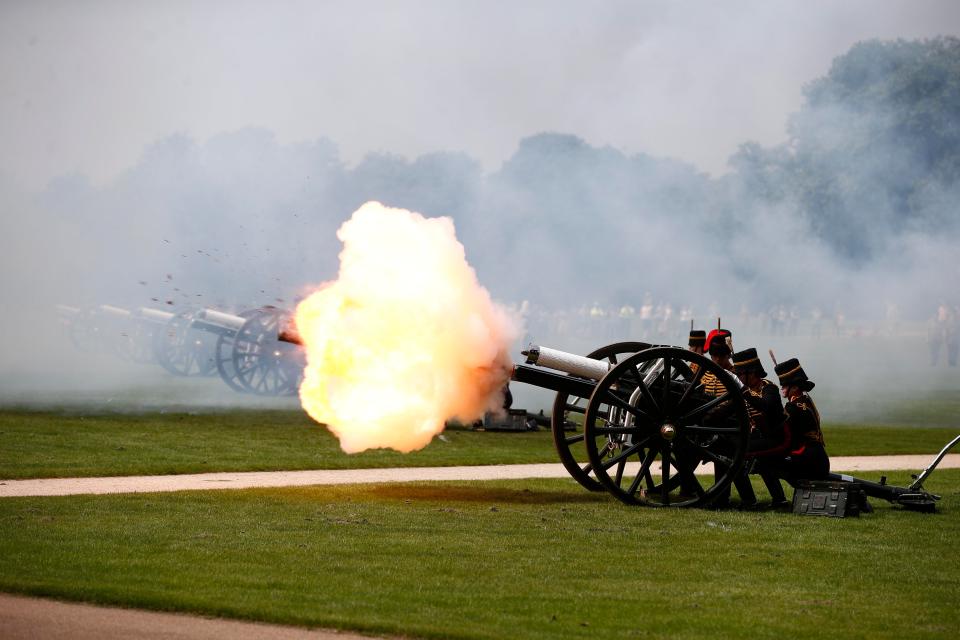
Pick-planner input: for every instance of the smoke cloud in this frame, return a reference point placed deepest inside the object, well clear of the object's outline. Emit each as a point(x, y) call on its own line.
point(836, 246)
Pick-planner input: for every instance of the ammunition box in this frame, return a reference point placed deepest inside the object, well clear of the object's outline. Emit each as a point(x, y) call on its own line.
point(515, 420)
point(828, 498)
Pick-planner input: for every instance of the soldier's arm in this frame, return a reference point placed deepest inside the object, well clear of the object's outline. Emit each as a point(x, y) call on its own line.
point(772, 406)
point(801, 419)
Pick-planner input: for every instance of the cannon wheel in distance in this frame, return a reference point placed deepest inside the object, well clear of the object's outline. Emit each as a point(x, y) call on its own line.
point(566, 421)
point(183, 350)
point(649, 424)
point(223, 353)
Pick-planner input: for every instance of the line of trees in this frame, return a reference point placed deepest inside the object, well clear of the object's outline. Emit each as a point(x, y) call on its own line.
point(860, 202)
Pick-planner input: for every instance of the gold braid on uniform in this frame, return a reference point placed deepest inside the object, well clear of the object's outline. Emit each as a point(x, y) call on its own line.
point(712, 384)
point(805, 402)
point(752, 412)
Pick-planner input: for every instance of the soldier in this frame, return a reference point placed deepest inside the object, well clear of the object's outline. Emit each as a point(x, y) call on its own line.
point(768, 438)
point(698, 338)
point(808, 459)
point(720, 346)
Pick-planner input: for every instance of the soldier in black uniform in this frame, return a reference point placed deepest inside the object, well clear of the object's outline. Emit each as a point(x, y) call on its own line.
point(768, 438)
point(807, 459)
point(719, 343)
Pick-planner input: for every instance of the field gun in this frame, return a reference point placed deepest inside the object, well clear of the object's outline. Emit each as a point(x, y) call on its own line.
point(186, 350)
point(106, 328)
point(634, 419)
point(144, 329)
point(242, 348)
point(248, 354)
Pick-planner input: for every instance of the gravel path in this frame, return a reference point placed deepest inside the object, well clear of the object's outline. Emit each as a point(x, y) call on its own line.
point(245, 480)
point(32, 618)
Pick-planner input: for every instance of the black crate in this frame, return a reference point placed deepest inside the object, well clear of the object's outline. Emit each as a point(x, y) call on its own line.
point(514, 420)
point(828, 498)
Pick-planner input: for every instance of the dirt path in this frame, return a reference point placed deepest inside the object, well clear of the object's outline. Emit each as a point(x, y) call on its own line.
point(201, 481)
point(32, 618)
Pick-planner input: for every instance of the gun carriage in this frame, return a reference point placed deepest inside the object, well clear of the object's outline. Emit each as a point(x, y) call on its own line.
point(249, 354)
point(636, 420)
point(243, 349)
point(139, 339)
point(130, 335)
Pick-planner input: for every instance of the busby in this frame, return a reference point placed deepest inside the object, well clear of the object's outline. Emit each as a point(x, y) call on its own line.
point(747, 361)
point(719, 342)
point(698, 338)
point(791, 373)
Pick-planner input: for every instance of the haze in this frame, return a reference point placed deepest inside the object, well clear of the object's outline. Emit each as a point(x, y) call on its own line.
point(87, 85)
point(753, 160)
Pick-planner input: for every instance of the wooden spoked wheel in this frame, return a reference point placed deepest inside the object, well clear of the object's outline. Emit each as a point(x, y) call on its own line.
point(566, 421)
point(650, 424)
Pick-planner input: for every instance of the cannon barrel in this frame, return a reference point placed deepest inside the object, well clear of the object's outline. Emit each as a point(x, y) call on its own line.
point(583, 367)
point(154, 315)
point(67, 312)
point(217, 322)
point(113, 312)
point(290, 334)
point(573, 374)
point(567, 362)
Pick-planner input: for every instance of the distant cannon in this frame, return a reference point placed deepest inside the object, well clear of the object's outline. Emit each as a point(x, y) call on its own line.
point(248, 354)
point(635, 419)
point(185, 350)
point(243, 349)
point(70, 318)
point(110, 329)
point(140, 339)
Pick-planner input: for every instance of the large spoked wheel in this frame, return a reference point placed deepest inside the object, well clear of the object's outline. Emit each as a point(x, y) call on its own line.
point(224, 356)
point(566, 421)
point(265, 365)
point(650, 423)
point(183, 350)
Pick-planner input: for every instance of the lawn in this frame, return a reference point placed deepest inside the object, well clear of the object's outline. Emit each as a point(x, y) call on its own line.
point(532, 559)
point(42, 444)
point(71, 444)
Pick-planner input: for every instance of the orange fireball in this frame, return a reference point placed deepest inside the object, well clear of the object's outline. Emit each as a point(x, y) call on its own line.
point(405, 338)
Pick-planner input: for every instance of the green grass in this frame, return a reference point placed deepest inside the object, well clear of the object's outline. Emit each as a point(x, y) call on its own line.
point(43, 444)
point(532, 559)
point(881, 440)
point(46, 444)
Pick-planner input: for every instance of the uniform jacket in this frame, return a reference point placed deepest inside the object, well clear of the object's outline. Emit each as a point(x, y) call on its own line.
point(804, 422)
point(765, 409)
